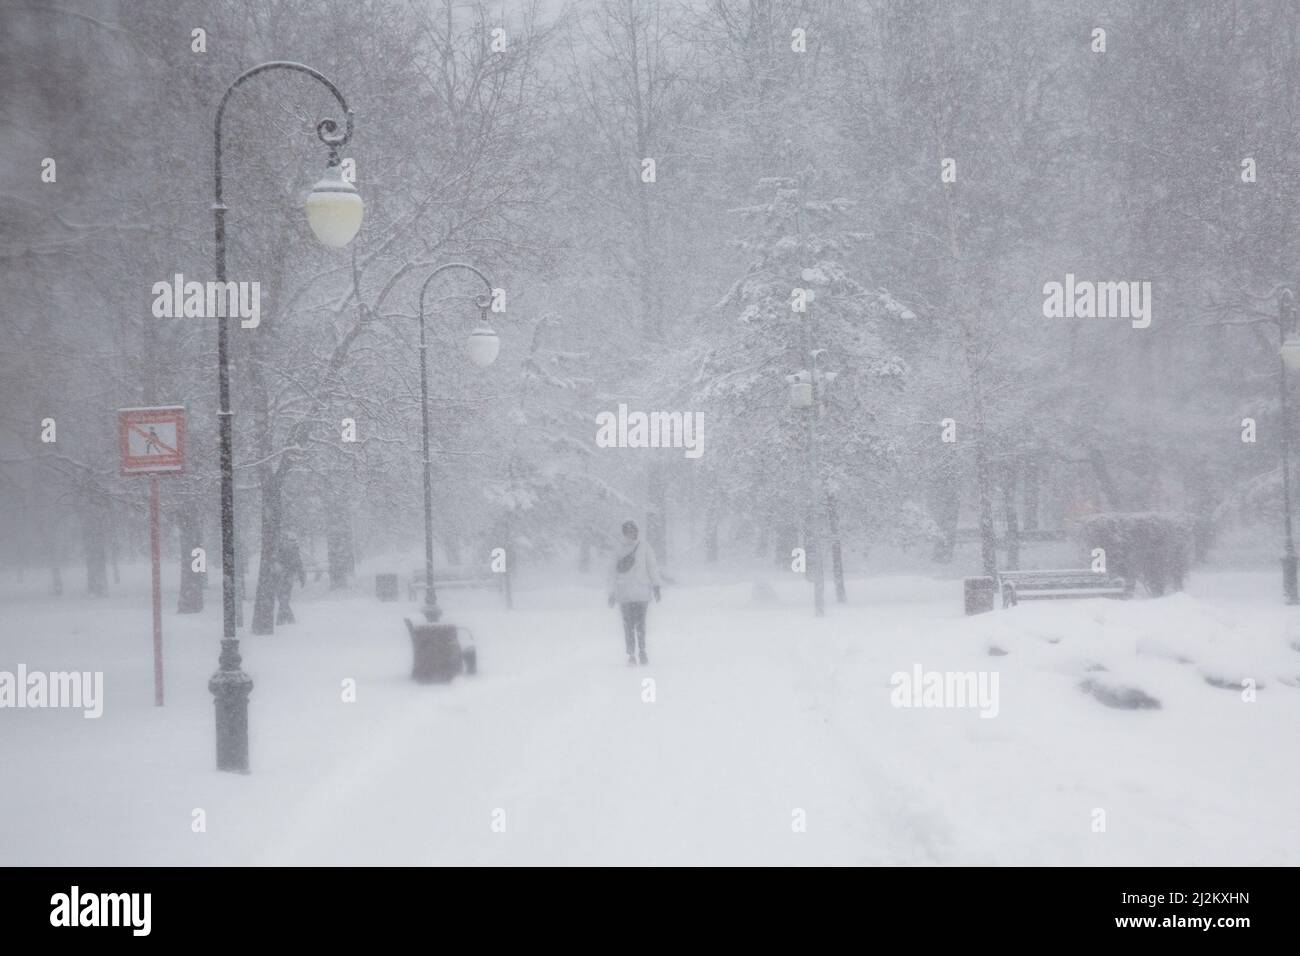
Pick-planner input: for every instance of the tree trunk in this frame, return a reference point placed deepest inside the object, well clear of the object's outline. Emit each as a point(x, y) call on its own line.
point(509, 537)
point(189, 526)
point(945, 509)
point(1010, 517)
point(837, 555)
point(269, 477)
point(451, 545)
point(988, 534)
point(711, 530)
point(113, 546)
point(338, 551)
point(1030, 504)
point(649, 282)
point(787, 538)
point(92, 536)
point(264, 600)
point(584, 553)
point(656, 530)
point(1197, 481)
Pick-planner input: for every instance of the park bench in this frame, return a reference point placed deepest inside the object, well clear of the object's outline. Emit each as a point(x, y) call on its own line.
point(456, 576)
point(1017, 586)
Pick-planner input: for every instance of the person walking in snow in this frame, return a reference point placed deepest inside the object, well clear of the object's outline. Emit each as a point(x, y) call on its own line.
point(288, 566)
point(633, 578)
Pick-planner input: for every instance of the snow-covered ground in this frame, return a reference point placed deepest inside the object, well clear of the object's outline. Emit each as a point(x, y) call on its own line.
point(762, 717)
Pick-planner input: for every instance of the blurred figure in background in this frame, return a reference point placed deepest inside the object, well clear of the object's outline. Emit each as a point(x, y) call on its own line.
point(288, 566)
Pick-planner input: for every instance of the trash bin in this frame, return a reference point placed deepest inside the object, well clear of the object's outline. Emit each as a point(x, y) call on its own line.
point(386, 587)
point(437, 653)
point(979, 595)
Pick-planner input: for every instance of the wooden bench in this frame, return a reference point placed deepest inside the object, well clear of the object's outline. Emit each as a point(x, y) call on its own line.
point(1017, 586)
point(456, 576)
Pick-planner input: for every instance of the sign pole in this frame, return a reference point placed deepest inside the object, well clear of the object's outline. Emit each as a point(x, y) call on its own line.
point(157, 592)
point(153, 443)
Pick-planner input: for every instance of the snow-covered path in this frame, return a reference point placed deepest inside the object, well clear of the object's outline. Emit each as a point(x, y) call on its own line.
point(699, 757)
point(761, 717)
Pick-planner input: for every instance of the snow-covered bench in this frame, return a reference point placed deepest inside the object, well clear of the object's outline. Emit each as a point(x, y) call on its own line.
point(1017, 586)
point(455, 576)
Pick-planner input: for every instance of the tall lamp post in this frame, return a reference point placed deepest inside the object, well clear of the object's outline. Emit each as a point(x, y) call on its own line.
point(805, 394)
point(1290, 353)
point(334, 212)
point(483, 346)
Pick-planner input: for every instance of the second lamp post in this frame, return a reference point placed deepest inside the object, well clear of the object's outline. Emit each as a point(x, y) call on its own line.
point(805, 393)
point(483, 346)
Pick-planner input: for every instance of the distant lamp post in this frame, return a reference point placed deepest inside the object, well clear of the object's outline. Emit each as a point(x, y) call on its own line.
point(803, 395)
point(334, 212)
point(1290, 352)
point(483, 347)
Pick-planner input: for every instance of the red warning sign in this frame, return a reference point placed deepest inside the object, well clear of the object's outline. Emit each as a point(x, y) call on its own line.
point(152, 439)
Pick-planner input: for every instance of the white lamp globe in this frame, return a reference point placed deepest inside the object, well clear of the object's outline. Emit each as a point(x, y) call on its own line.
point(334, 209)
point(1291, 351)
point(483, 346)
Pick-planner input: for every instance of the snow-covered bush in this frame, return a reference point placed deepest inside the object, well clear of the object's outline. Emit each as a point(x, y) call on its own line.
point(1146, 546)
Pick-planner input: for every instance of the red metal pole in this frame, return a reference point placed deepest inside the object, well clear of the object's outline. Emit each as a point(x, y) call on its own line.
point(157, 592)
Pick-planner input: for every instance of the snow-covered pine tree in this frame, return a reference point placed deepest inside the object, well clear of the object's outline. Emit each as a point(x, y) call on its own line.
point(797, 305)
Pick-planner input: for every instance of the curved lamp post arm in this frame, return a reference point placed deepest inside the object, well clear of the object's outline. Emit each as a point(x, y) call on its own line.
point(327, 130)
point(482, 301)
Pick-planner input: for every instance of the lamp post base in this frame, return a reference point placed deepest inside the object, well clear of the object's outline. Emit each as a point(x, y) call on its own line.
point(230, 688)
point(1289, 579)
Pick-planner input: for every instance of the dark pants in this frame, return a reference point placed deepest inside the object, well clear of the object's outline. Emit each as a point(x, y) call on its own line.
point(634, 625)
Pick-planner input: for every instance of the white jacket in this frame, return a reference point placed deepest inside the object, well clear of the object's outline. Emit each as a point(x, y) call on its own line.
point(636, 583)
